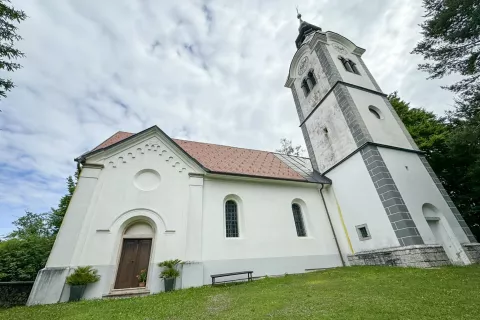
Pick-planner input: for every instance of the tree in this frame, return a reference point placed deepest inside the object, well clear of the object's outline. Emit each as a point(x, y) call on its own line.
point(26, 249)
point(288, 149)
point(57, 215)
point(31, 225)
point(21, 259)
point(464, 158)
point(451, 40)
point(8, 36)
point(466, 110)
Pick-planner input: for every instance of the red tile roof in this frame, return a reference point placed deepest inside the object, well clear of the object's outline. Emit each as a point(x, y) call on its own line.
point(117, 137)
point(225, 159)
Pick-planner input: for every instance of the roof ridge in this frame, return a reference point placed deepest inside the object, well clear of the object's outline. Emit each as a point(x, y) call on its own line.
point(223, 145)
point(98, 146)
point(225, 159)
point(214, 144)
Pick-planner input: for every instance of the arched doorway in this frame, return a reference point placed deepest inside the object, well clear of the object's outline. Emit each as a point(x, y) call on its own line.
point(135, 254)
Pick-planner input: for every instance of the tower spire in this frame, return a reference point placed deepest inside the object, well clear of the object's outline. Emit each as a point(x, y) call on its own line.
point(304, 29)
point(299, 15)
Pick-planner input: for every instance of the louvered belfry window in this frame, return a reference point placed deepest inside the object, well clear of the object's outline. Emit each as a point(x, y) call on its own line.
point(231, 219)
point(311, 79)
point(297, 216)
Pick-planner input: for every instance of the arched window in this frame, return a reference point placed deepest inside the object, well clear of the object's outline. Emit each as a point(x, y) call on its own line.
point(349, 65)
point(311, 79)
point(231, 219)
point(297, 216)
point(346, 64)
point(354, 67)
point(306, 89)
point(376, 112)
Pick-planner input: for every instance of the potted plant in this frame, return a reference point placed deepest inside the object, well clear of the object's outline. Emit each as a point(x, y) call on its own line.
point(169, 273)
point(142, 278)
point(79, 279)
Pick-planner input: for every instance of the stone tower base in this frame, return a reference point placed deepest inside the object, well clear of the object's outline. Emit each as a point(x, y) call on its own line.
point(473, 252)
point(420, 256)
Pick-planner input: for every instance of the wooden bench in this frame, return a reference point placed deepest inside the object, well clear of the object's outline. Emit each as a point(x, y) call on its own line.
point(214, 276)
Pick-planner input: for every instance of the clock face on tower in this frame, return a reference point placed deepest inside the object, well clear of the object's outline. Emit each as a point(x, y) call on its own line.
point(302, 66)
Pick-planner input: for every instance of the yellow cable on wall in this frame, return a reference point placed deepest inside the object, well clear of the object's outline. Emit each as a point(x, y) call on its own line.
point(343, 223)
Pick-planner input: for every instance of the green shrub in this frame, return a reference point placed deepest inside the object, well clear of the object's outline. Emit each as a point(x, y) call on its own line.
point(170, 263)
point(169, 273)
point(83, 276)
point(170, 268)
point(21, 259)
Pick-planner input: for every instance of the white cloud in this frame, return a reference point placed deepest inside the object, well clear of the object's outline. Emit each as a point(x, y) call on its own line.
point(207, 71)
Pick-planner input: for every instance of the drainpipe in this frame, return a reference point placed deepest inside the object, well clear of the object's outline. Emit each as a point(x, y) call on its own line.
point(331, 225)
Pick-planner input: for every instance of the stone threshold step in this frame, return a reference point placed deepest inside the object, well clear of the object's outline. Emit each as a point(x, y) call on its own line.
point(127, 293)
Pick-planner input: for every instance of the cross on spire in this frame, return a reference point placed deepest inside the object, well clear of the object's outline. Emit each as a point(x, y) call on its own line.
point(299, 16)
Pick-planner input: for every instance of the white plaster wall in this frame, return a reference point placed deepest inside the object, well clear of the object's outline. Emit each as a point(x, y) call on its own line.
point(183, 209)
point(360, 204)
point(418, 188)
point(119, 195)
point(70, 233)
point(362, 79)
point(268, 242)
point(319, 90)
point(119, 198)
point(385, 131)
point(140, 229)
point(338, 222)
point(329, 148)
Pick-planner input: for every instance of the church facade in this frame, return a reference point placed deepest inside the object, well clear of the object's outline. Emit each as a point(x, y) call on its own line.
point(365, 196)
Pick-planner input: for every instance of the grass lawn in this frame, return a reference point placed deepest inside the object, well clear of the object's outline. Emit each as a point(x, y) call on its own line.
point(342, 293)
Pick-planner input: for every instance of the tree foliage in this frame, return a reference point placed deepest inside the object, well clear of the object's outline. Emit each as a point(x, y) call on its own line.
point(31, 225)
point(9, 16)
point(57, 214)
point(451, 41)
point(464, 160)
point(21, 259)
point(288, 148)
point(452, 146)
point(26, 249)
point(451, 44)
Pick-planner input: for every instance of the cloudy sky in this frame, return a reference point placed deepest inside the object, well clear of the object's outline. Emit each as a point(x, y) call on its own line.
point(208, 71)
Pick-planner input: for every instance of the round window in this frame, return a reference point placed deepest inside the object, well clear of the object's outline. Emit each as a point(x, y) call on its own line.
point(147, 180)
point(376, 112)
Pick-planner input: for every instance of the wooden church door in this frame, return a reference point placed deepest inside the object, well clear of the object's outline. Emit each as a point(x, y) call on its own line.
point(135, 257)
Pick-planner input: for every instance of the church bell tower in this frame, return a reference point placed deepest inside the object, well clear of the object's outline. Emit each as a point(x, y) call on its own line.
point(388, 196)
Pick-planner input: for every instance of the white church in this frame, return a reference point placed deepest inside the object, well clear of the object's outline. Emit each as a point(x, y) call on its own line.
point(365, 196)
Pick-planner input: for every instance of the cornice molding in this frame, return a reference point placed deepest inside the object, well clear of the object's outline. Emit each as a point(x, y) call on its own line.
point(93, 165)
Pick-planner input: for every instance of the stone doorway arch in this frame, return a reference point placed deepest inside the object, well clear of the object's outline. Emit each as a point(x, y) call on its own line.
point(135, 254)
